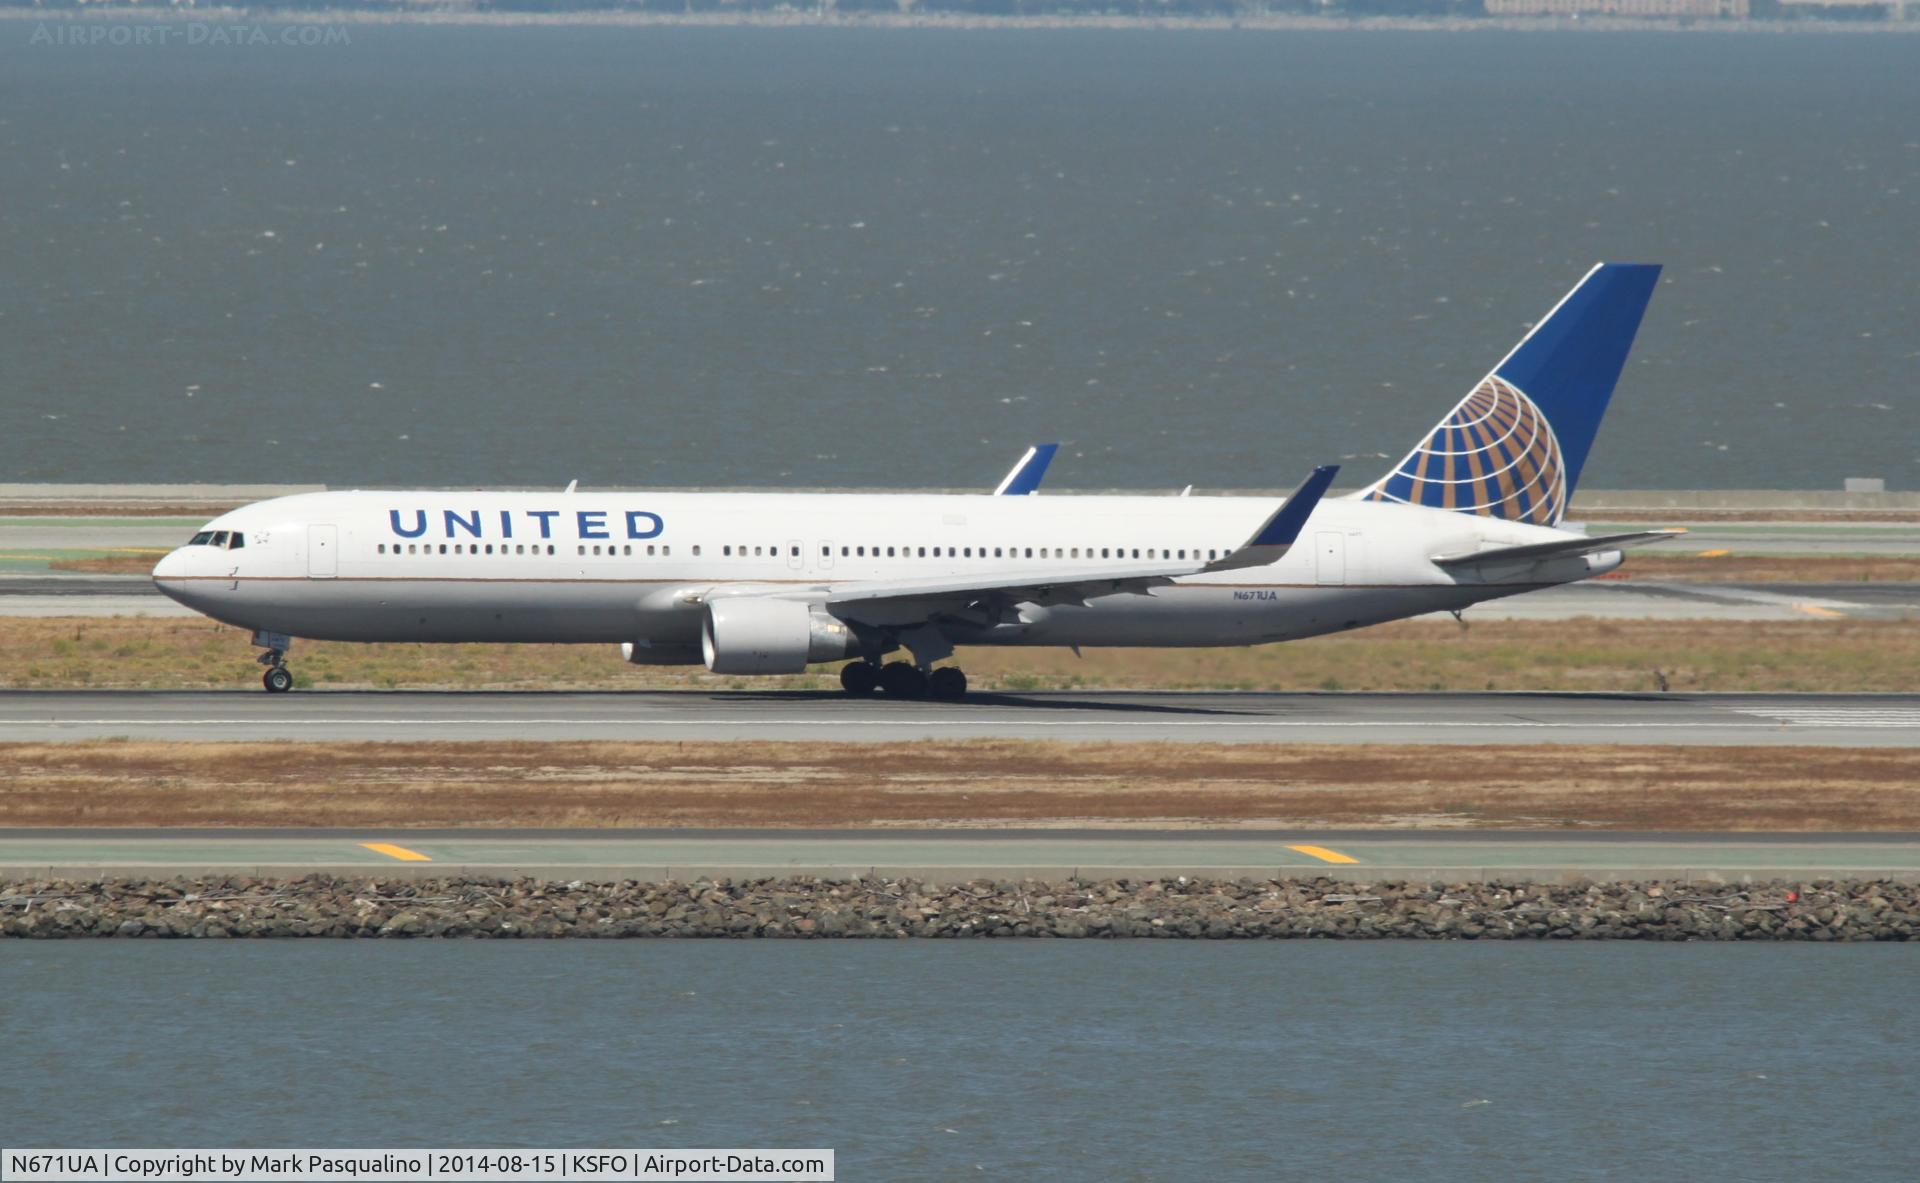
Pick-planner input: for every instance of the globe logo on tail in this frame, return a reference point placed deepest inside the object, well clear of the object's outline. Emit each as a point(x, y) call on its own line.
point(1495, 455)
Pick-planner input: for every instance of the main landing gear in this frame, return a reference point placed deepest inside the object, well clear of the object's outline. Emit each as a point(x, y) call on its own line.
point(903, 679)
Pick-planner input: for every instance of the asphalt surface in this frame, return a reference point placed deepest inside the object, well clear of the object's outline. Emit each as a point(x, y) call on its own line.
point(1839, 720)
point(958, 855)
point(65, 594)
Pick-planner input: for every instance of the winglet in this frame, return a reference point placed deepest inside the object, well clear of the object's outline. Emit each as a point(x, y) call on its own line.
point(1025, 477)
point(1276, 536)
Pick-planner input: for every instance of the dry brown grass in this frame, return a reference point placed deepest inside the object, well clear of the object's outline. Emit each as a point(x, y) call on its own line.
point(1739, 568)
point(983, 782)
point(1680, 517)
point(175, 653)
point(120, 562)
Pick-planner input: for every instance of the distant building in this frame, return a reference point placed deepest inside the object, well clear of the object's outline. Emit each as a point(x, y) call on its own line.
point(1730, 9)
point(1890, 9)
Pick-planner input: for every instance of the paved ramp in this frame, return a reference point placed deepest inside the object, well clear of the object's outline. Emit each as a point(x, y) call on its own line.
point(1835, 720)
point(956, 855)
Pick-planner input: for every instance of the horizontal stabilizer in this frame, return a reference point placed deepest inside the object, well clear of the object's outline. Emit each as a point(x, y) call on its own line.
point(1276, 535)
point(1563, 549)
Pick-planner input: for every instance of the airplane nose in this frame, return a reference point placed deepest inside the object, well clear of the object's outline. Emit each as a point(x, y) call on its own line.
point(169, 575)
point(172, 565)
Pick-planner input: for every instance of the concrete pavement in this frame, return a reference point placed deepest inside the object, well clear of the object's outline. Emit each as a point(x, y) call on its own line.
point(1832, 720)
point(958, 855)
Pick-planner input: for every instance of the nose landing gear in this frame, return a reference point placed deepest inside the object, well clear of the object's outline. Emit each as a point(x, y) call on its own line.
point(278, 679)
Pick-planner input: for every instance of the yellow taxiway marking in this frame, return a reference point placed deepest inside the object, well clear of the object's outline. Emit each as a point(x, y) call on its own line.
point(1817, 610)
point(1713, 554)
point(1325, 855)
point(398, 852)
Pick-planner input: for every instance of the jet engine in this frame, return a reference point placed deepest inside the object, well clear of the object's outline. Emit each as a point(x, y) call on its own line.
point(646, 652)
point(761, 636)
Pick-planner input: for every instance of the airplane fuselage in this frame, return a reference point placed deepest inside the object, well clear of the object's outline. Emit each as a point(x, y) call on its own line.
point(639, 568)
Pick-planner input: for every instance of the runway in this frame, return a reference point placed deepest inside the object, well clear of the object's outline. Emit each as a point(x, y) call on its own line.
point(960, 855)
point(1835, 720)
point(68, 594)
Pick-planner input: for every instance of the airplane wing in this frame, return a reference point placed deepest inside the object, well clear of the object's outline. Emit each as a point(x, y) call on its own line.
point(1026, 476)
point(1057, 583)
point(1541, 551)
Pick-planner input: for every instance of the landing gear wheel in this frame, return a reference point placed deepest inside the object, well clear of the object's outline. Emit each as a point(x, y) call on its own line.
point(948, 683)
point(859, 678)
point(903, 680)
point(278, 679)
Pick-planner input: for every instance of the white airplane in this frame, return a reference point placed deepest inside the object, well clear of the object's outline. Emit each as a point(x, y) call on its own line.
point(767, 583)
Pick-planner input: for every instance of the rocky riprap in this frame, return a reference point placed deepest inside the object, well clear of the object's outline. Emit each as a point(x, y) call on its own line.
point(325, 906)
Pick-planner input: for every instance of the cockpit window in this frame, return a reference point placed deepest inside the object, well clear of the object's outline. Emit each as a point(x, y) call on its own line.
point(238, 540)
point(220, 539)
point(201, 539)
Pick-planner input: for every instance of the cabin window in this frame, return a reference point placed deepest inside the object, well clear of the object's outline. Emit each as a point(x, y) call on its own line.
point(756, 552)
point(889, 552)
point(381, 549)
point(411, 548)
point(696, 550)
point(1212, 554)
point(667, 550)
point(796, 552)
point(843, 552)
point(1029, 553)
point(861, 551)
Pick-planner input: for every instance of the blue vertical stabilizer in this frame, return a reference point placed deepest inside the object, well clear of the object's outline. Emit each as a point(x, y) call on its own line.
point(1515, 446)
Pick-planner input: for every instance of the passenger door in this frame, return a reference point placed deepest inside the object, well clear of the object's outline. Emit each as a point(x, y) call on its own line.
point(1330, 558)
point(323, 551)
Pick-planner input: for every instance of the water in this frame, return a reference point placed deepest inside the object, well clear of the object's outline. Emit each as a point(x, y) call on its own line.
point(467, 256)
point(1012, 1060)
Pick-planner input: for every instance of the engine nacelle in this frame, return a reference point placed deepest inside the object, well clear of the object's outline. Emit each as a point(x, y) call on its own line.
point(756, 636)
point(650, 653)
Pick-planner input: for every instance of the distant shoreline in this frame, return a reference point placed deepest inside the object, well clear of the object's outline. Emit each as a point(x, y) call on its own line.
point(95, 14)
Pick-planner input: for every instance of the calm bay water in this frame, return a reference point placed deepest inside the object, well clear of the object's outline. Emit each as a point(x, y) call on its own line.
point(841, 257)
point(1013, 1059)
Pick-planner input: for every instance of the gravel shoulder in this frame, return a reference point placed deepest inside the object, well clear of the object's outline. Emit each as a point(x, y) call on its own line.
point(803, 908)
